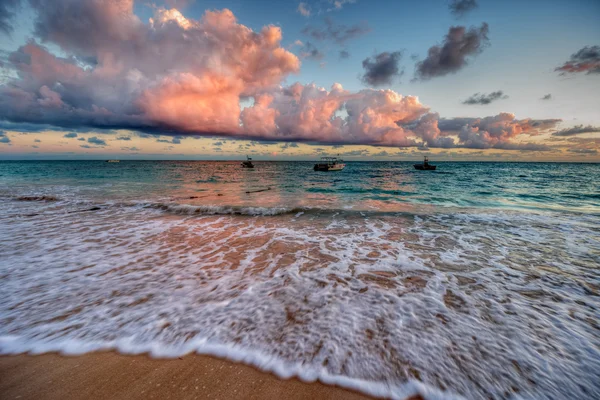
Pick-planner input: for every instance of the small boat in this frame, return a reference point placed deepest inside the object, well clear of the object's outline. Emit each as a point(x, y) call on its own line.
point(111, 161)
point(247, 163)
point(330, 164)
point(425, 166)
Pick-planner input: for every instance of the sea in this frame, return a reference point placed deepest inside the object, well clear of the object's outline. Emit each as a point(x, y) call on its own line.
point(477, 280)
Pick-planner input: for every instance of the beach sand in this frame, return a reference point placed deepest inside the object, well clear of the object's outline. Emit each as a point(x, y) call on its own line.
point(107, 375)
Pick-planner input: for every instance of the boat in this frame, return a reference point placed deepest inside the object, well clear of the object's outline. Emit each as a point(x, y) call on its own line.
point(425, 166)
point(112, 161)
point(330, 164)
point(247, 163)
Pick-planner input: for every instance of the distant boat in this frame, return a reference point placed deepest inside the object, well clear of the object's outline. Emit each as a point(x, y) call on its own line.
point(113, 160)
point(247, 163)
point(425, 166)
point(330, 164)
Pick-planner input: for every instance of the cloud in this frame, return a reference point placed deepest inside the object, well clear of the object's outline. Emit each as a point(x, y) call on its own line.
point(7, 12)
point(96, 141)
point(577, 130)
point(130, 149)
point(126, 138)
point(181, 77)
point(174, 140)
point(288, 145)
point(37, 141)
point(81, 139)
point(482, 98)
point(310, 52)
point(337, 33)
point(338, 4)
point(497, 131)
point(584, 151)
point(218, 61)
point(344, 54)
point(585, 60)
point(452, 55)
point(382, 69)
point(547, 97)
point(70, 135)
point(460, 7)
point(4, 138)
point(303, 9)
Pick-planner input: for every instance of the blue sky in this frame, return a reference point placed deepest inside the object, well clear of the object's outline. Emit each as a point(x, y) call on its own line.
point(527, 42)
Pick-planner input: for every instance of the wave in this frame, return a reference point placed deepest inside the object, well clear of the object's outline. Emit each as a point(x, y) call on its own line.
point(187, 209)
point(12, 345)
point(38, 198)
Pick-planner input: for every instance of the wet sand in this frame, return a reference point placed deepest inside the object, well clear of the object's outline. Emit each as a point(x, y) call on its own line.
point(108, 375)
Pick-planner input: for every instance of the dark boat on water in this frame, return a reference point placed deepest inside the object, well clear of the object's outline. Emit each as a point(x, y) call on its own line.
point(425, 166)
point(247, 163)
point(330, 164)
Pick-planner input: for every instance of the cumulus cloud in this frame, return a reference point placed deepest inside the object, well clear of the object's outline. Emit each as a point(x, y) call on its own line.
point(382, 68)
point(577, 130)
point(460, 7)
point(547, 97)
point(7, 12)
point(344, 54)
point(123, 138)
point(496, 132)
point(303, 9)
point(178, 77)
point(70, 135)
point(585, 60)
point(453, 54)
point(338, 33)
point(482, 98)
point(96, 141)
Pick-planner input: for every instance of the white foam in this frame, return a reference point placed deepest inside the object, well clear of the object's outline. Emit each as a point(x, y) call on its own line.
point(374, 304)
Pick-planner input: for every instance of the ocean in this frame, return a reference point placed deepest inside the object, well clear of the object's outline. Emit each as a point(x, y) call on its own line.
point(478, 280)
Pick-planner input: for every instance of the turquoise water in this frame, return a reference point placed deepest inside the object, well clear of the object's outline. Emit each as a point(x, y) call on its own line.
point(383, 186)
point(477, 280)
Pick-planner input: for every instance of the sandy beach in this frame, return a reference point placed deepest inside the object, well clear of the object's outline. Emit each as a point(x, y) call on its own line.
point(109, 375)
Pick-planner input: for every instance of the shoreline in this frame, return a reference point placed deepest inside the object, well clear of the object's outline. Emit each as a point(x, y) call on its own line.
point(109, 375)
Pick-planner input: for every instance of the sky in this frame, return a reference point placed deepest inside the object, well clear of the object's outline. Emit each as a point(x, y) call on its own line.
point(457, 80)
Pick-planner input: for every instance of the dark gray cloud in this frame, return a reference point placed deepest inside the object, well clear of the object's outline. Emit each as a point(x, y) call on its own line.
point(70, 135)
point(96, 141)
point(452, 55)
point(288, 145)
point(547, 97)
point(344, 54)
point(338, 33)
point(81, 139)
point(585, 60)
point(577, 130)
point(460, 7)
point(310, 52)
point(4, 138)
point(382, 68)
point(482, 98)
point(174, 140)
point(7, 13)
point(123, 138)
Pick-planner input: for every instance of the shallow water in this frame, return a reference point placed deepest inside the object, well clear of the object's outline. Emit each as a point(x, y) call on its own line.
point(476, 280)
